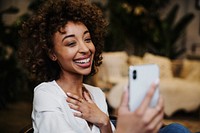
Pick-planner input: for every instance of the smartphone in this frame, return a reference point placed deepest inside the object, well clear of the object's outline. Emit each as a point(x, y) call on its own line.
point(141, 78)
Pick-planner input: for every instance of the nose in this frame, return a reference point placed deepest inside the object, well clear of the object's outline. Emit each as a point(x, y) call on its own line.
point(83, 48)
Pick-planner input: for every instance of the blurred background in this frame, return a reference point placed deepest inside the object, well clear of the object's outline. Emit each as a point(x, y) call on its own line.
point(166, 32)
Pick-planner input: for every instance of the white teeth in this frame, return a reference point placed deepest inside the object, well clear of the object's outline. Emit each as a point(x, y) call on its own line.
point(83, 61)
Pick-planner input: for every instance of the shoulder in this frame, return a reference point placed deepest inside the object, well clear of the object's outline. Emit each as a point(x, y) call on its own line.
point(45, 86)
point(50, 88)
point(46, 95)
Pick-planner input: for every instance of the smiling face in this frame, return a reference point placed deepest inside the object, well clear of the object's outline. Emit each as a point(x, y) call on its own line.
point(73, 49)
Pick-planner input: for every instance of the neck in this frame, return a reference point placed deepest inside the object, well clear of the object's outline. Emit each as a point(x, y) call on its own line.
point(72, 84)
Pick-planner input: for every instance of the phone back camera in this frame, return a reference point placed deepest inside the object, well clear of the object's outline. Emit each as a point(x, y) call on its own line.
point(134, 74)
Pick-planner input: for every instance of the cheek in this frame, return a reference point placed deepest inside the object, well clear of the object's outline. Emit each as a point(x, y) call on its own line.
point(92, 48)
point(70, 53)
point(66, 54)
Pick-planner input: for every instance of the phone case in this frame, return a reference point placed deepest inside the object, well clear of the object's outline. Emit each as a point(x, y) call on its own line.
point(141, 78)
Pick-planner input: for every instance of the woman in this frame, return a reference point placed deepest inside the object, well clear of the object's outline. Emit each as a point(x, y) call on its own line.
point(62, 43)
point(61, 46)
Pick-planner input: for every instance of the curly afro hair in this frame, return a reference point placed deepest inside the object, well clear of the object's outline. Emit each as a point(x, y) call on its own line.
point(37, 33)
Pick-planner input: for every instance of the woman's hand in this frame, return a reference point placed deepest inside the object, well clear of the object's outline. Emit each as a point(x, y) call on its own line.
point(144, 119)
point(88, 110)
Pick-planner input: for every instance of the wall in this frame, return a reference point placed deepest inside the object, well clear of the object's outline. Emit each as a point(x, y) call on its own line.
point(193, 30)
point(21, 4)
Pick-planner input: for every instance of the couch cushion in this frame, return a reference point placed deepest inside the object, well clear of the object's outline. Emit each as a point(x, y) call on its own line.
point(116, 65)
point(163, 62)
point(135, 60)
point(191, 70)
point(179, 94)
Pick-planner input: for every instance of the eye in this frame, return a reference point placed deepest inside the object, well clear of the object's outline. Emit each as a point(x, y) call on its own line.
point(71, 44)
point(88, 40)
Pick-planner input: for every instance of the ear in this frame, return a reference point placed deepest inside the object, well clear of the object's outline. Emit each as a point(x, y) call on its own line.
point(52, 55)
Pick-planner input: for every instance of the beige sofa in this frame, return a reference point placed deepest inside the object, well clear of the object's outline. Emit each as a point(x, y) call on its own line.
point(179, 79)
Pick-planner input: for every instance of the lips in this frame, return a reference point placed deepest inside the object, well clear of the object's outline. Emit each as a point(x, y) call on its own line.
point(83, 63)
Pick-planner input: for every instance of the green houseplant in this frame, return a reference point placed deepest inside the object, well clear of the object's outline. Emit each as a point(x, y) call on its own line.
point(130, 23)
point(137, 26)
point(164, 38)
point(15, 84)
point(9, 70)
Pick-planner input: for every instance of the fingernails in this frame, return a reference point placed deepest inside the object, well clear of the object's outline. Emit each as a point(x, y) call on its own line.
point(68, 93)
point(125, 88)
point(156, 82)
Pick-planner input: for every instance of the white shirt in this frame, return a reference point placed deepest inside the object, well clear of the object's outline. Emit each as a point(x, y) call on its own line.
point(52, 114)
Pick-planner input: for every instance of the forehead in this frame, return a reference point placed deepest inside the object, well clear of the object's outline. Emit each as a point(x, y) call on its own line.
point(71, 26)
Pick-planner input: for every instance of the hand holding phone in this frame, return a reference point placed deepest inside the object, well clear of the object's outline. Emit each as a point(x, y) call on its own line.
point(141, 77)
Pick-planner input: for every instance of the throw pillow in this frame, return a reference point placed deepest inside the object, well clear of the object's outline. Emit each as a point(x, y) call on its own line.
point(116, 65)
point(164, 64)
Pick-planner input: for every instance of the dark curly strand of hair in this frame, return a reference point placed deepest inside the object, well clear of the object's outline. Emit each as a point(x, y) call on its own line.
point(52, 15)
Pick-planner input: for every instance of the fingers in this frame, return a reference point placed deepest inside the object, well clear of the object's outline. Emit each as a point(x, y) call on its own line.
point(158, 127)
point(158, 121)
point(154, 117)
point(158, 110)
point(148, 97)
point(75, 103)
point(124, 101)
point(153, 113)
point(87, 97)
point(124, 109)
point(160, 104)
point(75, 97)
point(78, 114)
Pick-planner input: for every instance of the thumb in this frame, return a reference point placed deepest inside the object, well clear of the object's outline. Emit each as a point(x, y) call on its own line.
point(125, 98)
point(123, 108)
point(87, 97)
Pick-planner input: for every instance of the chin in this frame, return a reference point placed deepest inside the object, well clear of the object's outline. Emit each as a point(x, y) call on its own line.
point(86, 72)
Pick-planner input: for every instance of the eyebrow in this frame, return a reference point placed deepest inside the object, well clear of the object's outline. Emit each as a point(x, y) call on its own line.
point(72, 35)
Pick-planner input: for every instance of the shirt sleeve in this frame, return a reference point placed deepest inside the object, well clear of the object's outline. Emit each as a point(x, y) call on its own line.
point(47, 115)
point(102, 104)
